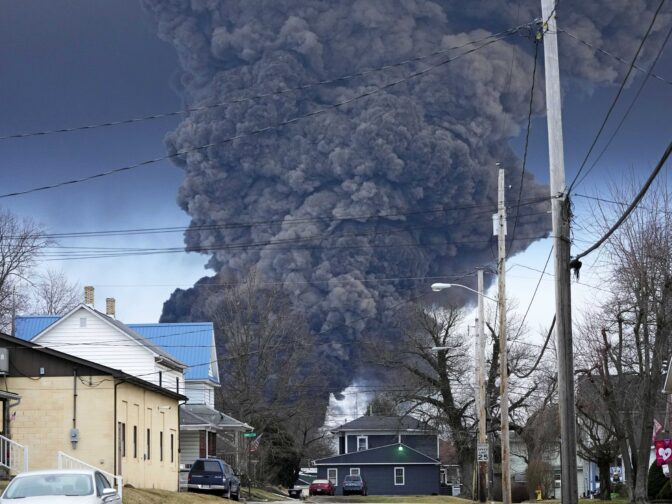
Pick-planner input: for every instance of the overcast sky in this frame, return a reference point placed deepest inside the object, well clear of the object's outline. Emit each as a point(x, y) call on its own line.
point(76, 62)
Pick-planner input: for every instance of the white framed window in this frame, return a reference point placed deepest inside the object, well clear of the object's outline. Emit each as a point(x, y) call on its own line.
point(399, 476)
point(354, 471)
point(362, 443)
point(332, 475)
point(82, 322)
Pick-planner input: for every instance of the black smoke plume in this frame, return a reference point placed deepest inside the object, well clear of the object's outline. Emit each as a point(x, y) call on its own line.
point(420, 154)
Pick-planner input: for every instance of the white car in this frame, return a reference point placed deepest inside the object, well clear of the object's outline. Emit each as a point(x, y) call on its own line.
point(60, 486)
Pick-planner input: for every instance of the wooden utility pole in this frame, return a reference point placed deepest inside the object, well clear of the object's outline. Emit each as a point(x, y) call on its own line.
point(504, 371)
point(563, 300)
point(480, 381)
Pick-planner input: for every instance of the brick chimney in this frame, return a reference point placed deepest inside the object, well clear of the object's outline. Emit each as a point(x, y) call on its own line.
point(110, 307)
point(88, 295)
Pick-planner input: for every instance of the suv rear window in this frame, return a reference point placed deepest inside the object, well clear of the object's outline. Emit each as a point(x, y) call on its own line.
point(209, 466)
point(353, 478)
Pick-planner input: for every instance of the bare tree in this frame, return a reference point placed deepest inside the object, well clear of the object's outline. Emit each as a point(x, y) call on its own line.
point(438, 384)
point(20, 242)
point(630, 337)
point(269, 376)
point(54, 294)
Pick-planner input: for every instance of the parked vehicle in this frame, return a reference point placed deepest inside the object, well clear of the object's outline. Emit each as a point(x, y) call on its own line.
point(60, 486)
point(354, 484)
point(296, 491)
point(321, 487)
point(215, 476)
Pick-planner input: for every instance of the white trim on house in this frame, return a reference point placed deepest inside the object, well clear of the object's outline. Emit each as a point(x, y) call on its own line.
point(358, 473)
point(335, 469)
point(403, 476)
point(346, 444)
point(366, 444)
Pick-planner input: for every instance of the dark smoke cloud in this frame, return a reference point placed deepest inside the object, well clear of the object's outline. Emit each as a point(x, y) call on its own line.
point(428, 143)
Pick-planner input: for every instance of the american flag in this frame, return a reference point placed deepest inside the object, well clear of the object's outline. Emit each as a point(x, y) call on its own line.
point(254, 446)
point(656, 429)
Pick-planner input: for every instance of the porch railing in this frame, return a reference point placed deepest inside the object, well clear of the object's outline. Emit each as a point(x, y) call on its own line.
point(65, 461)
point(13, 456)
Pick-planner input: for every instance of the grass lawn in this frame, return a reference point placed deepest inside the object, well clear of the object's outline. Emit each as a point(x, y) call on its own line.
point(142, 496)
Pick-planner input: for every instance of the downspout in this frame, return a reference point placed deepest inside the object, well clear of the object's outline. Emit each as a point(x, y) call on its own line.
point(73, 436)
point(179, 438)
point(115, 448)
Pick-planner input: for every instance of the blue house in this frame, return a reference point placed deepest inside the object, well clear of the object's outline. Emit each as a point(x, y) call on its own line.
point(394, 455)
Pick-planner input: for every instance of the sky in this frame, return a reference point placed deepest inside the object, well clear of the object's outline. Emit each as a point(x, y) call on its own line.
point(88, 61)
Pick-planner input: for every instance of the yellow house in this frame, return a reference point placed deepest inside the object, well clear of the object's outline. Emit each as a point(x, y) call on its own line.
point(106, 418)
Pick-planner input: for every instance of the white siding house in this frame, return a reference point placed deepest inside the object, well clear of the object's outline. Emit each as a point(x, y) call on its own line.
point(91, 335)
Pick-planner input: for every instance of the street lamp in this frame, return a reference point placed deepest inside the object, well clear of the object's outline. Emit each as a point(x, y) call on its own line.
point(438, 287)
point(482, 446)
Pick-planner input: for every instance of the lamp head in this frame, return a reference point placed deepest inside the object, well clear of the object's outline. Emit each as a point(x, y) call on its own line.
point(437, 287)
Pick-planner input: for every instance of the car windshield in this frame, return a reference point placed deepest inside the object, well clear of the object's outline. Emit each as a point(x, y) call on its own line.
point(36, 485)
point(353, 478)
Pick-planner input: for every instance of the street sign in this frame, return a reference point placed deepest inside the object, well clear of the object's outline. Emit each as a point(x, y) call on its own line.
point(482, 451)
point(250, 434)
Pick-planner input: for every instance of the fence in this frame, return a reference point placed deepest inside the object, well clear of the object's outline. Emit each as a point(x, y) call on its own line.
point(67, 462)
point(13, 456)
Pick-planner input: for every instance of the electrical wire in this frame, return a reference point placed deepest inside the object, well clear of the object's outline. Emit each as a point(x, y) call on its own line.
point(618, 95)
point(260, 96)
point(284, 221)
point(265, 129)
point(611, 55)
point(632, 206)
point(534, 294)
point(527, 137)
point(629, 109)
point(77, 251)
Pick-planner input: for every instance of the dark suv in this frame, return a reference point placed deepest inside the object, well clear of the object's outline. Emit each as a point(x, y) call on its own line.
point(354, 484)
point(213, 476)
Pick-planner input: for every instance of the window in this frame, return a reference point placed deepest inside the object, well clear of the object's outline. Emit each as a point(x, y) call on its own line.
point(172, 448)
point(362, 443)
point(332, 475)
point(399, 476)
point(135, 441)
point(149, 444)
point(354, 471)
point(101, 484)
point(160, 378)
point(161, 446)
point(122, 439)
point(82, 322)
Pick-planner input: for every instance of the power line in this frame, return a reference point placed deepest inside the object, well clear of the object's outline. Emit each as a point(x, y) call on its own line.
point(527, 135)
point(79, 251)
point(630, 208)
point(618, 95)
point(269, 246)
point(534, 294)
point(629, 109)
point(618, 58)
point(288, 122)
point(284, 221)
point(260, 96)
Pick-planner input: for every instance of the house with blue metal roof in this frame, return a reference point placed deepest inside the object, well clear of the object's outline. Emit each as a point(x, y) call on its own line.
point(183, 359)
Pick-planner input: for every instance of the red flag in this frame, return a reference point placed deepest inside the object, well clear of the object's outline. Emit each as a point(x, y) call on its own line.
point(663, 451)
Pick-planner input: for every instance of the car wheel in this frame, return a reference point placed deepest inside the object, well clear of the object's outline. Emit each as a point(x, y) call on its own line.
point(236, 496)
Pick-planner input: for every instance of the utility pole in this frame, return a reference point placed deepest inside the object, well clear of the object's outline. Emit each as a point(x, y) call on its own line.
point(563, 299)
point(504, 371)
point(480, 380)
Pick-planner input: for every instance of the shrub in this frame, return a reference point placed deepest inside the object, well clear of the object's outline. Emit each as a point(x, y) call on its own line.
point(519, 492)
point(659, 484)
